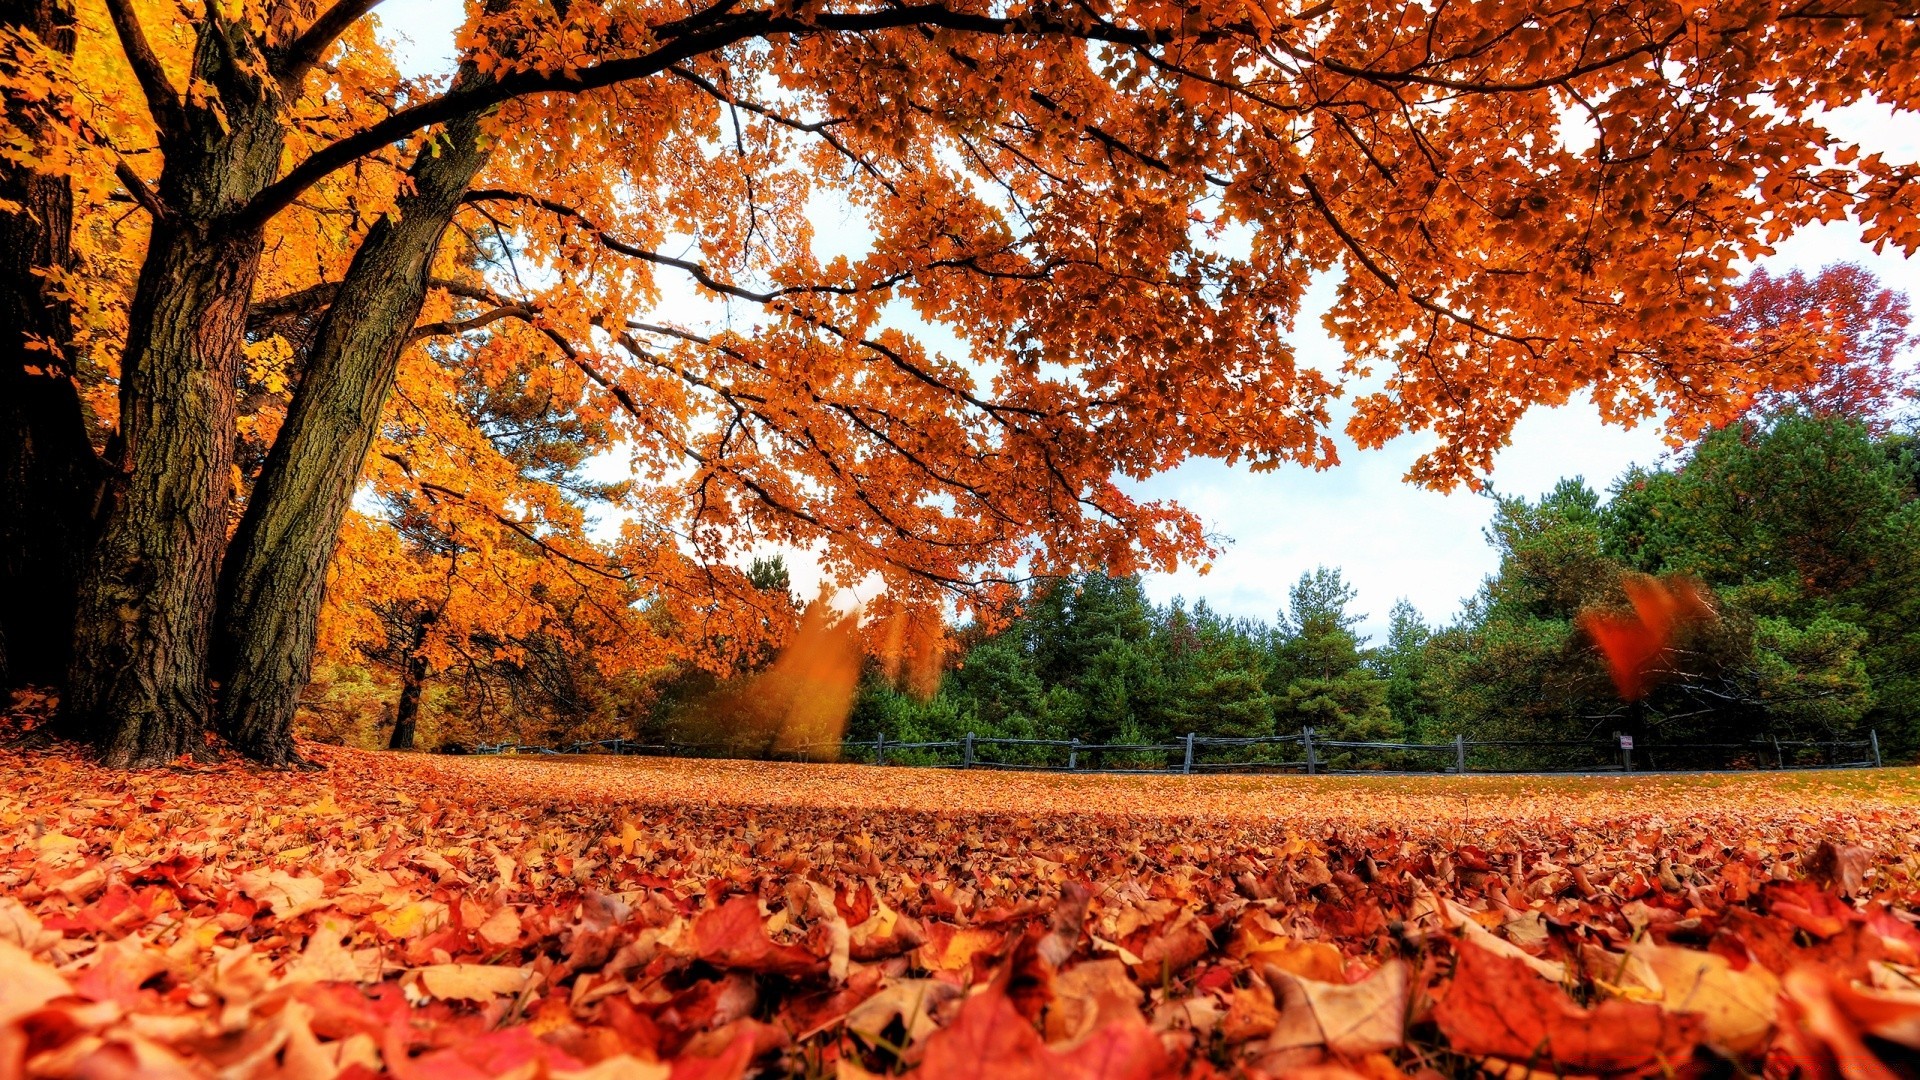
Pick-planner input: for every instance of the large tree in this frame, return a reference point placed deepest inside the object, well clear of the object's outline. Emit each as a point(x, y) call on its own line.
point(49, 474)
point(1115, 208)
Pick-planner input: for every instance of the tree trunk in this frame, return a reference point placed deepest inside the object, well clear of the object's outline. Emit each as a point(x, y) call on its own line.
point(275, 574)
point(137, 685)
point(49, 474)
point(406, 714)
point(139, 679)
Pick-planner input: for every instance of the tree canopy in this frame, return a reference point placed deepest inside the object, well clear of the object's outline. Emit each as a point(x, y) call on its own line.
point(276, 269)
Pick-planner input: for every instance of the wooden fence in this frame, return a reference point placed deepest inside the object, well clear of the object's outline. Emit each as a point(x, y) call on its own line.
point(1304, 753)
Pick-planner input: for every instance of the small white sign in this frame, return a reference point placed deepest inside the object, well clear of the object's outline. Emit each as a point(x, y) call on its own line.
point(1626, 742)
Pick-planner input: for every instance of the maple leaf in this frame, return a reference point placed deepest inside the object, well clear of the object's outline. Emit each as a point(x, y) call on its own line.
point(1496, 1006)
point(989, 1038)
point(913, 1003)
point(734, 935)
point(29, 983)
point(1635, 645)
point(1737, 1006)
point(472, 982)
point(285, 893)
point(1349, 1019)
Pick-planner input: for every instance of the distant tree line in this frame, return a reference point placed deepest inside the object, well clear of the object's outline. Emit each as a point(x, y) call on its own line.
point(1806, 528)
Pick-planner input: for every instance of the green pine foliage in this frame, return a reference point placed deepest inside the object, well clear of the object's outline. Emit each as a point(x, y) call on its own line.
point(1806, 530)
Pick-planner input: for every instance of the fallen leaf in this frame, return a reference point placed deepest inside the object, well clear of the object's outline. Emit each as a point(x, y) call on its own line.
point(1496, 1006)
point(1737, 1009)
point(912, 1002)
point(28, 983)
point(286, 894)
point(1346, 1018)
point(473, 982)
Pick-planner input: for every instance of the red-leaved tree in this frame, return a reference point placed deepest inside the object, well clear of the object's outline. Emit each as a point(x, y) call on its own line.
point(1847, 331)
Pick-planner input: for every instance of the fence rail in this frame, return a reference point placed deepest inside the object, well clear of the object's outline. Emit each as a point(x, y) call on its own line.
point(1304, 753)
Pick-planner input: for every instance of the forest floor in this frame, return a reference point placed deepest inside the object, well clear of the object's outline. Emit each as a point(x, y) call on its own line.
point(1353, 799)
point(637, 918)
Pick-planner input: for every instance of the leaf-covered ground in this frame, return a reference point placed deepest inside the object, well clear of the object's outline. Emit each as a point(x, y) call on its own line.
point(451, 918)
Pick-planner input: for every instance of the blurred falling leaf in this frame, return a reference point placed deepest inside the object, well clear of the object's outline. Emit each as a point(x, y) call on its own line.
point(1637, 645)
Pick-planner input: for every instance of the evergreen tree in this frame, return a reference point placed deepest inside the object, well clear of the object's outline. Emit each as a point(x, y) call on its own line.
point(1218, 668)
point(1402, 662)
point(1320, 678)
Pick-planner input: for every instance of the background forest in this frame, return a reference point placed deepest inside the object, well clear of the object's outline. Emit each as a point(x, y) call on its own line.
point(1805, 526)
point(1807, 530)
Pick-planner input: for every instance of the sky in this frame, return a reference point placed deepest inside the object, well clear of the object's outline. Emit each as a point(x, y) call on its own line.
point(1390, 539)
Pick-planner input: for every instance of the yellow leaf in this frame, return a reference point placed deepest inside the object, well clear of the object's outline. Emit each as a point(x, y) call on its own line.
point(473, 982)
point(1738, 1008)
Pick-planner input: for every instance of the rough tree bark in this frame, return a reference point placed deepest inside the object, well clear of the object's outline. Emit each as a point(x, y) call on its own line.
point(49, 474)
point(275, 574)
point(137, 684)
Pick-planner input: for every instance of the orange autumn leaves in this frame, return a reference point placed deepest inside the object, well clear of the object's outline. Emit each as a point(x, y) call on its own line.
point(799, 705)
point(1638, 644)
point(439, 919)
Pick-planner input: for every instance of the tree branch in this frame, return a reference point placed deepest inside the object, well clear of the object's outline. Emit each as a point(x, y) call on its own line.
point(300, 54)
point(138, 188)
point(449, 327)
point(163, 101)
point(707, 38)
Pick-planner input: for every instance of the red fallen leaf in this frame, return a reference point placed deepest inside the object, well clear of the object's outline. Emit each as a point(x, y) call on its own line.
point(708, 1003)
point(1216, 978)
point(637, 1031)
point(1633, 645)
point(483, 1057)
point(1471, 857)
point(1844, 866)
point(1496, 1006)
point(990, 1039)
point(1898, 936)
point(855, 903)
point(811, 1014)
point(763, 1039)
point(1806, 906)
point(734, 936)
point(117, 972)
point(960, 948)
point(1822, 1040)
point(907, 935)
point(729, 1064)
point(1172, 949)
point(1778, 943)
point(173, 870)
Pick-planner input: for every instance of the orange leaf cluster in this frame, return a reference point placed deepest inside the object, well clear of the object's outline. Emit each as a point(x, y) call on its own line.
point(440, 918)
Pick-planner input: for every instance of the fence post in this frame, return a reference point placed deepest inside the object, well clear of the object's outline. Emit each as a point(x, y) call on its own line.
point(1460, 754)
point(1307, 735)
point(1073, 755)
point(1779, 755)
point(880, 749)
point(1874, 737)
point(966, 760)
point(1187, 765)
